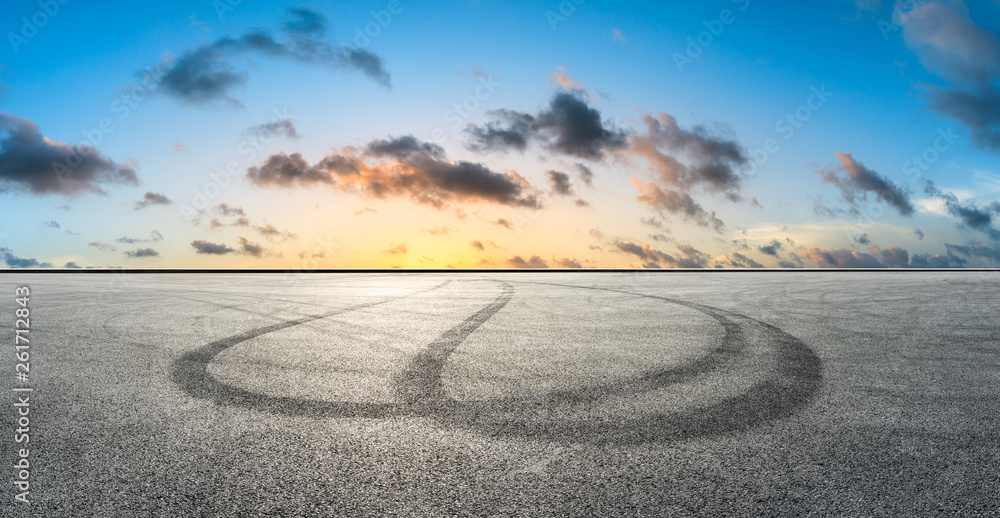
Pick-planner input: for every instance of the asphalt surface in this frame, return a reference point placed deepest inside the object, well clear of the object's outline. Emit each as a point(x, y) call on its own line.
point(767, 393)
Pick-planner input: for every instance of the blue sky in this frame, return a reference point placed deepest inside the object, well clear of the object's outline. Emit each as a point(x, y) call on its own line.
point(867, 85)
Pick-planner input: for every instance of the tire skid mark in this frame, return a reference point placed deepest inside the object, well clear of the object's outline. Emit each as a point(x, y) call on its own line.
point(796, 378)
point(190, 373)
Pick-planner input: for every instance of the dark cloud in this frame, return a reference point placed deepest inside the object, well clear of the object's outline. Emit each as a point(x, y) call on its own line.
point(204, 247)
point(152, 198)
point(858, 181)
point(919, 233)
point(412, 168)
point(205, 74)
point(991, 253)
point(863, 239)
point(402, 148)
point(738, 260)
point(569, 126)
point(277, 128)
point(688, 256)
point(560, 183)
point(842, 258)
point(71, 266)
point(971, 216)
point(892, 257)
point(710, 161)
point(770, 249)
point(53, 224)
point(502, 222)
point(566, 263)
point(668, 201)
point(477, 245)
point(14, 261)
point(305, 21)
point(951, 45)
point(31, 163)
point(250, 248)
point(586, 175)
point(142, 252)
point(534, 262)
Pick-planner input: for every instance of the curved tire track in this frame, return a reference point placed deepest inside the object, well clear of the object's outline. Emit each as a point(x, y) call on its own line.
point(797, 376)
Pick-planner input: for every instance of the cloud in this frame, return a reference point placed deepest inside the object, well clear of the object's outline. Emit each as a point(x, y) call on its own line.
point(970, 215)
point(668, 201)
point(204, 247)
point(919, 233)
point(534, 262)
point(560, 183)
point(858, 181)
point(269, 231)
point(205, 74)
point(770, 249)
point(226, 210)
point(562, 79)
point(153, 236)
point(569, 127)
point(863, 239)
point(305, 21)
point(477, 245)
point(991, 253)
point(738, 260)
point(277, 128)
point(142, 252)
point(396, 249)
point(152, 198)
point(892, 257)
point(841, 258)
point(616, 35)
point(503, 222)
point(581, 203)
point(104, 247)
point(689, 256)
point(586, 175)
point(32, 163)
point(250, 248)
point(954, 47)
point(365, 211)
point(438, 231)
point(711, 161)
point(71, 266)
point(403, 167)
point(180, 148)
point(14, 261)
point(53, 224)
point(566, 263)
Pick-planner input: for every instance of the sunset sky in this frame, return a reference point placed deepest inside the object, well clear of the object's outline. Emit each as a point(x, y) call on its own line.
point(470, 134)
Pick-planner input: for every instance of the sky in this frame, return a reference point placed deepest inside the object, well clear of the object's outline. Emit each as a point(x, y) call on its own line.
point(471, 134)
